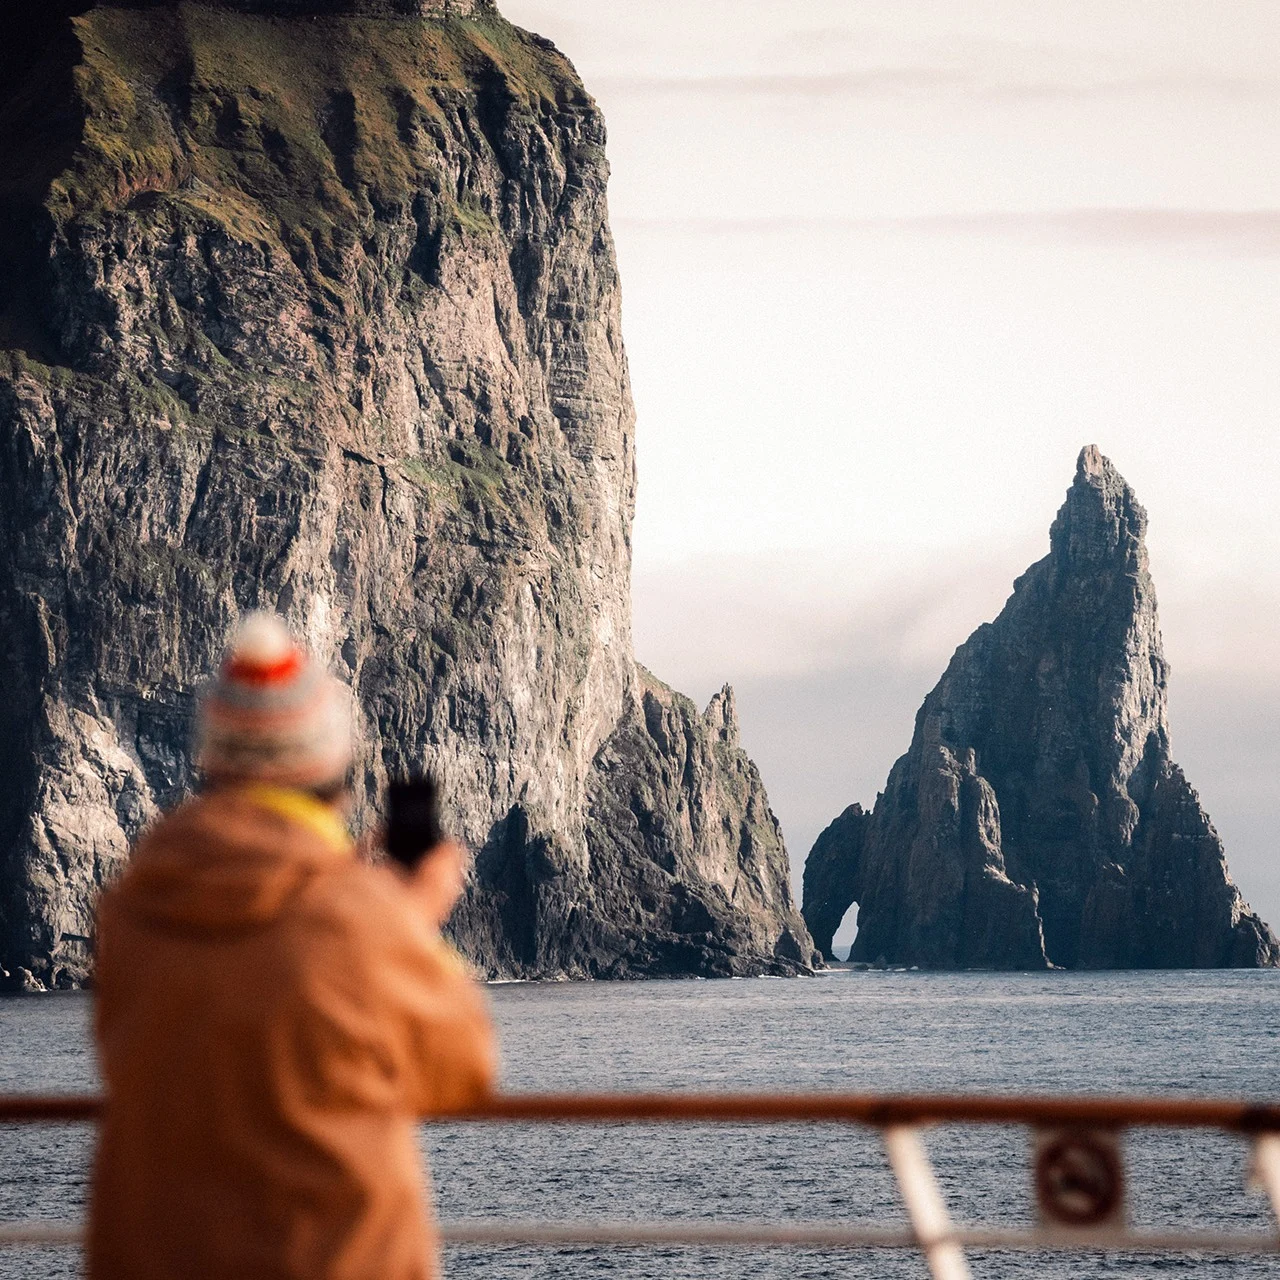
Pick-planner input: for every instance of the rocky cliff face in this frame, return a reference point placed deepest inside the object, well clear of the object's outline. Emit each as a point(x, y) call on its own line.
point(321, 314)
point(1038, 817)
point(685, 872)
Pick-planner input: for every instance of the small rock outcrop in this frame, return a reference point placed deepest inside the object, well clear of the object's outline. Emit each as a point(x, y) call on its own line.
point(314, 307)
point(685, 870)
point(683, 843)
point(1038, 818)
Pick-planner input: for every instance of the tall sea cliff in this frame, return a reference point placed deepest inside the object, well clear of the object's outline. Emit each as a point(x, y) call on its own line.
point(314, 306)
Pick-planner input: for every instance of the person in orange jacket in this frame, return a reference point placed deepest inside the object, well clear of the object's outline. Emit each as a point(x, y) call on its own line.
point(273, 1014)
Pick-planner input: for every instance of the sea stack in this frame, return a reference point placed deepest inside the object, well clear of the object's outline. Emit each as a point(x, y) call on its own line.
point(1038, 818)
point(312, 305)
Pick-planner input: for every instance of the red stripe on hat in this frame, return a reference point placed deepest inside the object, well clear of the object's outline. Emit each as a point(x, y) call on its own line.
point(250, 672)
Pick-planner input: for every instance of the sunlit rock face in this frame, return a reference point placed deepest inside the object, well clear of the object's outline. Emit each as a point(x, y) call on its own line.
point(1038, 817)
point(321, 314)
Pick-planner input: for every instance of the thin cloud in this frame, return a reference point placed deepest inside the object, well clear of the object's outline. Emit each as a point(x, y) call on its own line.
point(928, 81)
point(1249, 232)
point(888, 80)
point(785, 615)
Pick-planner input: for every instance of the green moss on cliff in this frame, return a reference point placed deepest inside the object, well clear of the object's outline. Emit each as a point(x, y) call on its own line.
point(16, 364)
point(474, 478)
point(282, 129)
point(290, 134)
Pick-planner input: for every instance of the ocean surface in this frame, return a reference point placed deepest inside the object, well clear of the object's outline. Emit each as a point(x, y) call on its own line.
point(1182, 1034)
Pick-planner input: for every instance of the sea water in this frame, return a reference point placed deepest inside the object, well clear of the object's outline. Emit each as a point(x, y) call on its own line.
point(1179, 1034)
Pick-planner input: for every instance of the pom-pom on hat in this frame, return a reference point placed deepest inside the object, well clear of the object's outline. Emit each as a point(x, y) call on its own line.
point(274, 714)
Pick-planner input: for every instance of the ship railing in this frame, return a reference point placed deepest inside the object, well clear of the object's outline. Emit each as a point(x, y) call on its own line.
point(1077, 1171)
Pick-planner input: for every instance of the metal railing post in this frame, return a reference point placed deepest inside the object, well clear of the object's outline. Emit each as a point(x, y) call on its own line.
point(925, 1205)
point(1266, 1168)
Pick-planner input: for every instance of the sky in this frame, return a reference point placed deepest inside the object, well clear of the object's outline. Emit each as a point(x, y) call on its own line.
point(886, 269)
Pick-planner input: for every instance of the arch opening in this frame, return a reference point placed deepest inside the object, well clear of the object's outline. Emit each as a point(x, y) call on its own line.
point(846, 931)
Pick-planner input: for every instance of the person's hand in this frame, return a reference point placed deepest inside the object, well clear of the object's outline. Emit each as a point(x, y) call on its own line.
point(439, 879)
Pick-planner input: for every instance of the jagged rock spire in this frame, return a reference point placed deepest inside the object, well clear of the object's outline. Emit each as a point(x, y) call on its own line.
point(1037, 817)
point(721, 715)
point(1100, 532)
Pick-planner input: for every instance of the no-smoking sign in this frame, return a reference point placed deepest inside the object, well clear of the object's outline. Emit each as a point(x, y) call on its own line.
point(1079, 1177)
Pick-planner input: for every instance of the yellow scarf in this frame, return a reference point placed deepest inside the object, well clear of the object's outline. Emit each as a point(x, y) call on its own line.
point(305, 808)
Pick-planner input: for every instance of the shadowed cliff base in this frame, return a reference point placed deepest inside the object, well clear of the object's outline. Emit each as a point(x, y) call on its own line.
point(321, 314)
point(1038, 818)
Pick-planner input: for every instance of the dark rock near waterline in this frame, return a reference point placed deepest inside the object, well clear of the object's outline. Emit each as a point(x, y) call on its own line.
point(1038, 817)
point(323, 316)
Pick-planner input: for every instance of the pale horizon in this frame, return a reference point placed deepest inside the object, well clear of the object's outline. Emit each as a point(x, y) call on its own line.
point(884, 273)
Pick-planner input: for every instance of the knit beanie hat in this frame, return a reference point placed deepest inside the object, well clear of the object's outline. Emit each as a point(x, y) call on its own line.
point(274, 714)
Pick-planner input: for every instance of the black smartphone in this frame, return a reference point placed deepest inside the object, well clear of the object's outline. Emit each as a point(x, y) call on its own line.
point(413, 819)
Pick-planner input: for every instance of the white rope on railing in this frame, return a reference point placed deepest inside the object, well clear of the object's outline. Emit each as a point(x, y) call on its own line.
point(12, 1233)
point(813, 1235)
point(831, 1235)
point(820, 1235)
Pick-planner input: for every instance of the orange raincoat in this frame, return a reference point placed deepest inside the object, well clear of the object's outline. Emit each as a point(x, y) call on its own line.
point(272, 1016)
